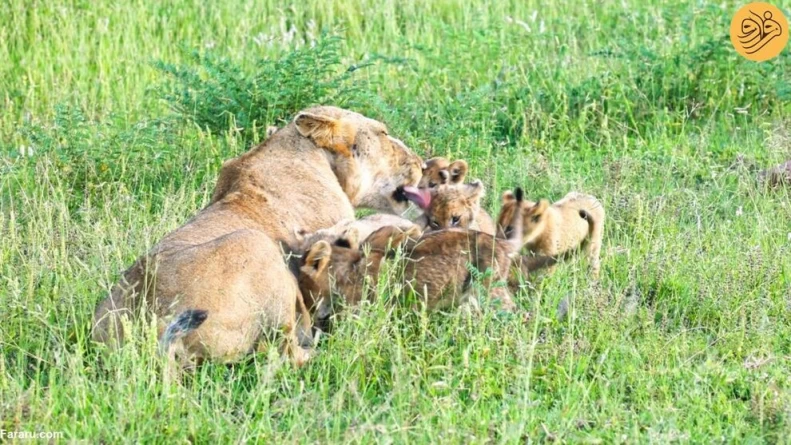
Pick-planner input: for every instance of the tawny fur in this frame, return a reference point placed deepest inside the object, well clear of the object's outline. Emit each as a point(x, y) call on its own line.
point(576, 221)
point(457, 205)
point(364, 226)
point(436, 266)
point(227, 260)
point(438, 171)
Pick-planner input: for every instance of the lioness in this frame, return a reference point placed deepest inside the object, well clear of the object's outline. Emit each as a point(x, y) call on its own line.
point(227, 259)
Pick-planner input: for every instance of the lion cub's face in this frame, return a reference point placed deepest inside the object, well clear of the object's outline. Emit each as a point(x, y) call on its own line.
point(335, 270)
point(332, 269)
point(533, 217)
point(376, 170)
point(438, 171)
point(454, 205)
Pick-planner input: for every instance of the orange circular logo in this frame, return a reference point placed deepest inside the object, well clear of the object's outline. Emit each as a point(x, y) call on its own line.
point(759, 31)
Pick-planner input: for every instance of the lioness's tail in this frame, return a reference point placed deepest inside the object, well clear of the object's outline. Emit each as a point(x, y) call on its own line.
point(185, 323)
point(515, 237)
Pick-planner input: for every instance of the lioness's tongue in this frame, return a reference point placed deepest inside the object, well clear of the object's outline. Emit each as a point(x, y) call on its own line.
point(421, 197)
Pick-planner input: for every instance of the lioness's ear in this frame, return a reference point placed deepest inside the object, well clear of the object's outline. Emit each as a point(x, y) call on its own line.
point(326, 132)
point(508, 196)
point(458, 170)
point(313, 125)
point(318, 257)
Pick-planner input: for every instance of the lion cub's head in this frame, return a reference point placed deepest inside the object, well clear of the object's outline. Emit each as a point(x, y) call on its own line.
point(438, 171)
point(533, 216)
point(376, 170)
point(335, 270)
point(454, 205)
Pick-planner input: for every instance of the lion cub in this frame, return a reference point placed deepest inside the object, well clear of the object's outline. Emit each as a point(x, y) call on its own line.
point(364, 227)
point(436, 266)
point(575, 221)
point(457, 205)
point(438, 171)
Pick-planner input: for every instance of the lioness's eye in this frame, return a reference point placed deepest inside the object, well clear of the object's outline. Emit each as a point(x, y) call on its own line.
point(354, 147)
point(455, 220)
point(536, 218)
point(432, 184)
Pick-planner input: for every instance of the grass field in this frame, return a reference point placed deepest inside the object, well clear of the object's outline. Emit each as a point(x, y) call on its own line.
point(115, 117)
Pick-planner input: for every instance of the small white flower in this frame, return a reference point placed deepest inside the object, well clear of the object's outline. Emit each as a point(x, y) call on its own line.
point(26, 150)
point(103, 25)
point(260, 39)
point(210, 44)
point(739, 211)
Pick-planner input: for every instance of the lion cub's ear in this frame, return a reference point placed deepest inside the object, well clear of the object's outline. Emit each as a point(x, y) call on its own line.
point(391, 236)
point(400, 238)
point(328, 133)
point(439, 161)
point(317, 258)
point(458, 170)
point(538, 209)
point(350, 239)
point(508, 197)
point(475, 190)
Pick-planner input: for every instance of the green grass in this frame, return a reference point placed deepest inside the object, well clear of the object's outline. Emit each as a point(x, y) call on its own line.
point(644, 104)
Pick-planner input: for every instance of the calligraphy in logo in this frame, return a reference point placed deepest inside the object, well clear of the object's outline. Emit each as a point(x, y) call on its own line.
point(759, 31)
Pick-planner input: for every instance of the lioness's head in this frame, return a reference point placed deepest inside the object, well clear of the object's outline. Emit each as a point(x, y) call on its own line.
point(376, 170)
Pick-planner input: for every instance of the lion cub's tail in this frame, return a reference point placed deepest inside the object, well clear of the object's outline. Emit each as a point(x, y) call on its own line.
point(185, 323)
point(594, 225)
point(515, 237)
